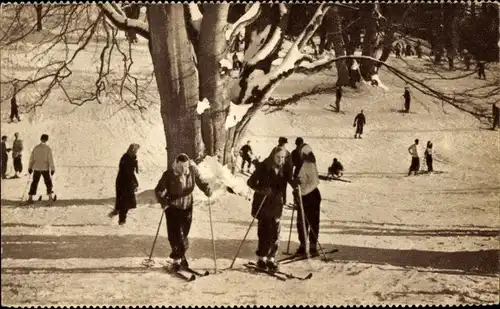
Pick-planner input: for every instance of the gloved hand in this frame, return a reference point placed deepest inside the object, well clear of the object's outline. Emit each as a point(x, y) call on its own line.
point(266, 191)
point(30, 171)
point(52, 173)
point(353, 125)
point(296, 182)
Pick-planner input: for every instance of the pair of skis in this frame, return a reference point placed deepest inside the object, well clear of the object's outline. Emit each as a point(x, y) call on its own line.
point(187, 274)
point(301, 257)
point(276, 274)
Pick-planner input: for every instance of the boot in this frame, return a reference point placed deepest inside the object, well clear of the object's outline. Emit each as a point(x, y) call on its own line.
point(261, 263)
point(272, 265)
point(176, 265)
point(184, 263)
point(301, 251)
point(30, 200)
point(313, 251)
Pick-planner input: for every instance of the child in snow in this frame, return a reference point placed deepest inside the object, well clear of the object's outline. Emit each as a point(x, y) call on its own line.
point(41, 164)
point(415, 160)
point(175, 194)
point(336, 169)
point(126, 184)
point(269, 181)
point(428, 157)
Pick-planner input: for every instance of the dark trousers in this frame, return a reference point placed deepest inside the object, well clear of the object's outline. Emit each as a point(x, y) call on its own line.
point(428, 160)
point(481, 72)
point(407, 106)
point(18, 164)
point(36, 179)
point(178, 226)
point(337, 104)
point(14, 114)
point(359, 129)
point(4, 167)
point(268, 231)
point(415, 165)
point(245, 159)
point(122, 215)
point(311, 203)
point(495, 120)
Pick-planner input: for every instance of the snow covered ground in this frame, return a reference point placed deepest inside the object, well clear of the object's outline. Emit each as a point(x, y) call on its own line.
point(430, 239)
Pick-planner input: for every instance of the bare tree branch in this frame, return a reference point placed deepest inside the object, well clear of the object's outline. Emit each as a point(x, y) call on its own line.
point(120, 20)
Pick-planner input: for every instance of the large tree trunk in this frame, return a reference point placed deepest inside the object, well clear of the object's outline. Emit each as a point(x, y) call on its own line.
point(177, 80)
point(339, 46)
point(38, 8)
point(451, 32)
point(213, 85)
point(352, 40)
point(367, 67)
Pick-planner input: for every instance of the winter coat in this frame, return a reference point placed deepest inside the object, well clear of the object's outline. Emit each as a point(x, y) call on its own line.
point(246, 152)
point(41, 158)
point(297, 157)
point(360, 120)
point(13, 105)
point(172, 192)
point(264, 177)
point(288, 160)
point(4, 152)
point(17, 148)
point(126, 183)
point(308, 178)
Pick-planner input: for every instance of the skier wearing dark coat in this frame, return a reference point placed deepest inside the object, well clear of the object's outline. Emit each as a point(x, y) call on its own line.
point(14, 110)
point(5, 156)
point(269, 181)
point(126, 184)
point(428, 157)
point(246, 156)
point(359, 123)
point(174, 192)
point(338, 97)
point(407, 98)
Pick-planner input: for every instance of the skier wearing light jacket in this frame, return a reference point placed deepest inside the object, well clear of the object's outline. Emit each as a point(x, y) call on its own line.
point(41, 164)
point(175, 194)
point(308, 180)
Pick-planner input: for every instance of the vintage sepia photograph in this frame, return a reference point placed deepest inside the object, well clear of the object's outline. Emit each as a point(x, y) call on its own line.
point(260, 153)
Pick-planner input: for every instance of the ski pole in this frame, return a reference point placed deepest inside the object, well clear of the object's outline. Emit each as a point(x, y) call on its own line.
point(290, 233)
point(306, 232)
point(148, 262)
point(248, 230)
point(212, 229)
point(317, 241)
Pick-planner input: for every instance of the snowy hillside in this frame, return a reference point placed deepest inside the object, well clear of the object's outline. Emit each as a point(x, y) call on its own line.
point(431, 239)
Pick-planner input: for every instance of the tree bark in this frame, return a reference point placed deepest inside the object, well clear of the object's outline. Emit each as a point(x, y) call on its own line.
point(339, 47)
point(177, 80)
point(38, 8)
point(367, 67)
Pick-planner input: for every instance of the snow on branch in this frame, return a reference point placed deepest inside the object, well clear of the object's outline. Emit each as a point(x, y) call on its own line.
point(120, 20)
point(249, 17)
point(196, 16)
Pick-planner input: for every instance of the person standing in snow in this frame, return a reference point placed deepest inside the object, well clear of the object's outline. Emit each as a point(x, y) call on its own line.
point(415, 160)
point(246, 156)
point(269, 181)
point(308, 181)
point(481, 69)
point(5, 156)
point(407, 98)
point(174, 192)
point(282, 141)
point(496, 115)
point(17, 153)
point(359, 123)
point(126, 184)
point(338, 97)
point(428, 157)
point(418, 49)
point(41, 164)
point(297, 155)
point(14, 108)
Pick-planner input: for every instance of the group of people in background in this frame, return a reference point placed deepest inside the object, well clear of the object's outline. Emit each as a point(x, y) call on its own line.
point(415, 158)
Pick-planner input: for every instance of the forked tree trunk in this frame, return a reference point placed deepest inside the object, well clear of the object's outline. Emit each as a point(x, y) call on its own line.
point(339, 46)
point(177, 80)
point(367, 67)
point(38, 8)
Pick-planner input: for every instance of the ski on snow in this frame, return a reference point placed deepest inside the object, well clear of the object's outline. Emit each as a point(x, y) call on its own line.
point(287, 275)
point(254, 267)
point(301, 257)
point(187, 274)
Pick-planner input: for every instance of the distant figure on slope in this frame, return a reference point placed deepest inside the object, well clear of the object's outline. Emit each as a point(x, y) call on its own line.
point(126, 184)
point(288, 165)
point(397, 50)
point(415, 160)
point(246, 156)
point(269, 180)
point(338, 97)
point(41, 164)
point(407, 98)
point(5, 156)
point(336, 169)
point(308, 181)
point(409, 50)
point(174, 192)
point(428, 157)
point(359, 123)
point(496, 115)
point(467, 58)
point(481, 69)
point(17, 153)
point(14, 108)
point(418, 49)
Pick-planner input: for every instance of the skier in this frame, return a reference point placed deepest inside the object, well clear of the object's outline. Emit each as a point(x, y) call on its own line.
point(126, 184)
point(17, 153)
point(174, 192)
point(288, 165)
point(338, 97)
point(14, 108)
point(246, 156)
point(41, 164)
point(407, 97)
point(397, 50)
point(359, 123)
point(428, 157)
point(5, 156)
point(418, 49)
point(496, 115)
point(269, 181)
point(480, 67)
point(308, 180)
point(336, 169)
point(415, 160)
point(297, 155)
